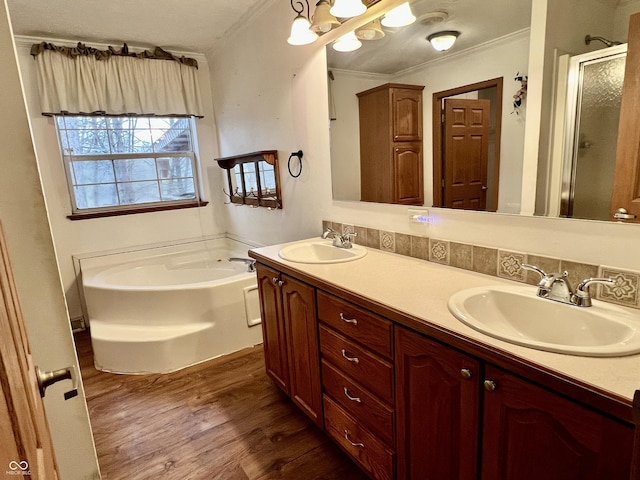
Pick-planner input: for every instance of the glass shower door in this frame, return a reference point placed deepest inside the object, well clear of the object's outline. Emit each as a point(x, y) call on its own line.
point(595, 93)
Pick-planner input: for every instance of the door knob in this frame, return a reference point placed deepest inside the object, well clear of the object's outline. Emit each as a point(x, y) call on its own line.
point(49, 378)
point(622, 214)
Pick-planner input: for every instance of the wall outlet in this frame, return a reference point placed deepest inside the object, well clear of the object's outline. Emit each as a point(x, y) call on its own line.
point(419, 216)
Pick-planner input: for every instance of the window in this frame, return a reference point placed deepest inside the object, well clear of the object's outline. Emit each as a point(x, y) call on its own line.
point(122, 164)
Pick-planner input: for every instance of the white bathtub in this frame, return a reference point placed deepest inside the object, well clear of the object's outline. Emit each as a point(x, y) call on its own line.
point(163, 309)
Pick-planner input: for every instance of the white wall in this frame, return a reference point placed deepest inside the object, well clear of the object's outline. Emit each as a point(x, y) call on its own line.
point(24, 216)
point(119, 232)
point(259, 101)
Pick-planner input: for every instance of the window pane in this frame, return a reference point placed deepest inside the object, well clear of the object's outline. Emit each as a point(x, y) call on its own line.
point(177, 189)
point(267, 178)
point(93, 196)
point(138, 192)
point(238, 176)
point(138, 169)
point(92, 171)
point(250, 179)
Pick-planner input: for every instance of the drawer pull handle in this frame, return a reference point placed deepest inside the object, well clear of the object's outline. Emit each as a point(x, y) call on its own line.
point(348, 320)
point(350, 397)
point(351, 359)
point(355, 444)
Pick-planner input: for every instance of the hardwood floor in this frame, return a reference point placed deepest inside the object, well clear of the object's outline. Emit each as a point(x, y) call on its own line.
point(223, 419)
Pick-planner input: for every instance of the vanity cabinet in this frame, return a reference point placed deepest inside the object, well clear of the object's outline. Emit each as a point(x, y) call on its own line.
point(528, 432)
point(290, 337)
point(391, 170)
point(409, 402)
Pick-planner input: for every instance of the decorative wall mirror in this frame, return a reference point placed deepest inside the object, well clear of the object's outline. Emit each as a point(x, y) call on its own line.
point(252, 179)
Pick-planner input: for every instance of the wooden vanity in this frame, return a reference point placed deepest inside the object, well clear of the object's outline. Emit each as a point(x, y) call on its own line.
point(368, 350)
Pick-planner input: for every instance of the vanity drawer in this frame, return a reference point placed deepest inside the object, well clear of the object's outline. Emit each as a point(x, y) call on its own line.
point(371, 371)
point(365, 327)
point(356, 400)
point(367, 451)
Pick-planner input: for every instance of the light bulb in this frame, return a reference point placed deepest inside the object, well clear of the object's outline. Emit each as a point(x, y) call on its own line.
point(300, 32)
point(399, 16)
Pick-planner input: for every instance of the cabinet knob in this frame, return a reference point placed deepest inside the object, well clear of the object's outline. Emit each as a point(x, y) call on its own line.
point(277, 281)
point(466, 373)
point(490, 385)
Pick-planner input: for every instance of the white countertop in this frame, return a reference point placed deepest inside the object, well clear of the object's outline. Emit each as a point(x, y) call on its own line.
point(421, 289)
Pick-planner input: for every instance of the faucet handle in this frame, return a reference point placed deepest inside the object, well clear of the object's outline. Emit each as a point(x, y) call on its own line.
point(582, 297)
point(538, 270)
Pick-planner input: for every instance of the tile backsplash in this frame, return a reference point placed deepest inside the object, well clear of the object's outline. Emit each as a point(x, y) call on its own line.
point(497, 262)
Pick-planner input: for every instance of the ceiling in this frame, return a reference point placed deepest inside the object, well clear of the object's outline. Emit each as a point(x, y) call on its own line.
point(145, 23)
point(477, 21)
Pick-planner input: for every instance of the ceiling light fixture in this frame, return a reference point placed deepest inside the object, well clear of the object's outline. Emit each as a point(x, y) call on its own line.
point(323, 21)
point(347, 43)
point(399, 16)
point(370, 31)
point(301, 33)
point(442, 41)
point(347, 8)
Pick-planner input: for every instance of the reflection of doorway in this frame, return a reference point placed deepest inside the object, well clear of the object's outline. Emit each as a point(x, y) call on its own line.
point(466, 153)
point(466, 146)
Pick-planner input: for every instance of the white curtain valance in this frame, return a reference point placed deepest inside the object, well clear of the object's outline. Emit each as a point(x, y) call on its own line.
point(117, 85)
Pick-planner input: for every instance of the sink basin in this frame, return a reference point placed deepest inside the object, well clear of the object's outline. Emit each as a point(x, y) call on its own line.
point(516, 315)
point(320, 251)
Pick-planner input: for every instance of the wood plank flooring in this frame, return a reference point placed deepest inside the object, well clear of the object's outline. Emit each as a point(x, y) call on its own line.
point(220, 420)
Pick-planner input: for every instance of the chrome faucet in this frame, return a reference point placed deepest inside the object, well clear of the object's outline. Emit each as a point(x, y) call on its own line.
point(250, 262)
point(556, 287)
point(341, 241)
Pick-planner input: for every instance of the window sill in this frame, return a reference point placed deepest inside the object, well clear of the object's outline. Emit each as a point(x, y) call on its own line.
point(131, 211)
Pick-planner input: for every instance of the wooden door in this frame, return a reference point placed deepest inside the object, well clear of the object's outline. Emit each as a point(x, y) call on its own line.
point(273, 327)
point(466, 153)
point(530, 433)
point(407, 174)
point(25, 442)
point(437, 408)
point(626, 183)
point(299, 307)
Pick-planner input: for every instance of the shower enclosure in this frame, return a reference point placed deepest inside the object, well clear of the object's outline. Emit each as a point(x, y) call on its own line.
point(593, 100)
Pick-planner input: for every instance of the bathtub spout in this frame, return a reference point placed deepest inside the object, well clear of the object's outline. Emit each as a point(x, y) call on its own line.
point(251, 263)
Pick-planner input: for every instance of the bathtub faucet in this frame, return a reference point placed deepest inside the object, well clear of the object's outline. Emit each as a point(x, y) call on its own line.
point(250, 262)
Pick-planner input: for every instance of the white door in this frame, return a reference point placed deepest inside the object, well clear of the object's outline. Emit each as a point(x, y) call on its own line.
point(30, 246)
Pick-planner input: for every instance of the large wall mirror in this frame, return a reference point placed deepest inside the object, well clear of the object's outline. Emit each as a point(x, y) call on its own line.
point(494, 42)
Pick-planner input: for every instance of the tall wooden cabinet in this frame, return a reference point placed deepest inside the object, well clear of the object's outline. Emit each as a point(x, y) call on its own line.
point(290, 336)
point(391, 169)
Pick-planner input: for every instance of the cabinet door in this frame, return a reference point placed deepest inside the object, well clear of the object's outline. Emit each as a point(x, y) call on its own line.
point(299, 306)
point(531, 433)
point(407, 174)
point(273, 327)
point(406, 107)
point(437, 409)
